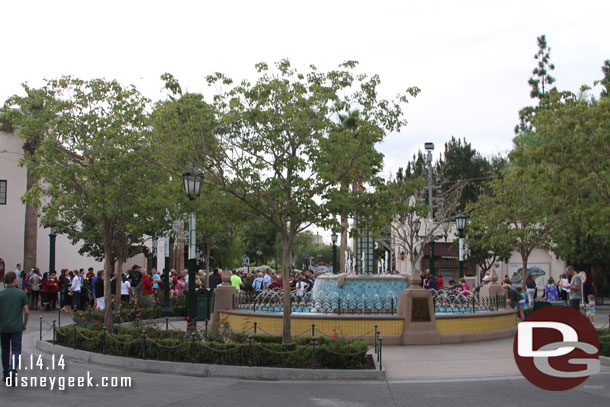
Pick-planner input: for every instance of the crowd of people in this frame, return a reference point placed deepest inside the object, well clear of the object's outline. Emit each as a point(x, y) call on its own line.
point(258, 281)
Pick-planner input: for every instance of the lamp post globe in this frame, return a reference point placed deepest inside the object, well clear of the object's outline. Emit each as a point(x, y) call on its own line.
point(192, 183)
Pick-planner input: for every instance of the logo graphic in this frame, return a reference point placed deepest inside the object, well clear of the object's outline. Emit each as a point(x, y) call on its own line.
point(556, 348)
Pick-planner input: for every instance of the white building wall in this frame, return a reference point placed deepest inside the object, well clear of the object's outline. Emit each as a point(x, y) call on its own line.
point(12, 220)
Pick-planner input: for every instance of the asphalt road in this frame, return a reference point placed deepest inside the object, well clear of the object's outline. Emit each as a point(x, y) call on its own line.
point(152, 390)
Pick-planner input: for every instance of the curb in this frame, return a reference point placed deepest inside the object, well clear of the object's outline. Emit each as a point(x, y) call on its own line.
point(604, 360)
point(204, 370)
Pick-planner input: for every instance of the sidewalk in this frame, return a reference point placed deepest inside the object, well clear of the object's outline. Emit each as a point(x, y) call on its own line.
point(464, 360)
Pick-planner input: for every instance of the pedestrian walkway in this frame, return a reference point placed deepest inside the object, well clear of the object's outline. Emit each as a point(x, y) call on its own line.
point(464, 360)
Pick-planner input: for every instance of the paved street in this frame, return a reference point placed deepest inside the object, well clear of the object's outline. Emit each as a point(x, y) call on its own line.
point(480, 374)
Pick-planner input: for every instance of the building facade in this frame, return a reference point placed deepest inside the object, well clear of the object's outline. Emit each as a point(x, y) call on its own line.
point(446, 262)
point(13, 180)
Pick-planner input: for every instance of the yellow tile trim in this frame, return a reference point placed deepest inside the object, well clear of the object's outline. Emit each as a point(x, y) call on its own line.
point(453, 326)
point(365, 326)
point(329, 327)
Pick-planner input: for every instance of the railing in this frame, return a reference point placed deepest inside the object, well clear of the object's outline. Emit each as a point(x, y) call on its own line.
point(446, 301)
point(272, 301)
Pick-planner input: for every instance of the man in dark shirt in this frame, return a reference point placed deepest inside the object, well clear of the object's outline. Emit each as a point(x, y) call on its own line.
point(215, 279)
point(14, 314)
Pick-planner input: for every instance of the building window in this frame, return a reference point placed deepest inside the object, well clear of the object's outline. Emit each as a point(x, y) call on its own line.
point(2, 192)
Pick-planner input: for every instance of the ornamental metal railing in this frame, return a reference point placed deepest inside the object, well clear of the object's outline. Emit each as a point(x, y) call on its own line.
point(461, 302)
point(272, 301)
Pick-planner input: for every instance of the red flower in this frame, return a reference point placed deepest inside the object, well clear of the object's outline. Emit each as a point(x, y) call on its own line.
point(96, 323)
point(249, 314)
point(188, 318)
point(139, 313)
point(334, 329)
point(190, 328)
point(126, 318)
point(226, 308)
point(333, 337)
point(84, 318)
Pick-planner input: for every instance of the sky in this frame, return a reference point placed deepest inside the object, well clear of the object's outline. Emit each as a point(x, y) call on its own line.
point(471, 59)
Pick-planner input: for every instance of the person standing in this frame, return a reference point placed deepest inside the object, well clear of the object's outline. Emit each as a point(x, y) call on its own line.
point(99, 290)
point(19, 272)
point(574, 295)
point(14, 314)
point(215, 279)
point(36, 281)
point(75, 290)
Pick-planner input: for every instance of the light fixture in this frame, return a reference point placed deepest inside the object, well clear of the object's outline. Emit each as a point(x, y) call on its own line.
point(460, 222)
point(192, 183)
point(334, 237)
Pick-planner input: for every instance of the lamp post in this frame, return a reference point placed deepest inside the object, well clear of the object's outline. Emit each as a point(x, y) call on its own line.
point(460, 222)
point(192, 187)
point(167, 310)
point(334, 238)
point(52, 237)
point(429, 148)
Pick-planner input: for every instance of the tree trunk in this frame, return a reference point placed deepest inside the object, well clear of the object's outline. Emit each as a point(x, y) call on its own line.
point(30, 234)
point(207, 265)
point(287, 302)
point(119, 270)
point(343, 247)
point(108, 243)
point(524, 258)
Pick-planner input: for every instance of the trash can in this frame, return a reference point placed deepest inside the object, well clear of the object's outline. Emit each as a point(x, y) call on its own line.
point(204, 303)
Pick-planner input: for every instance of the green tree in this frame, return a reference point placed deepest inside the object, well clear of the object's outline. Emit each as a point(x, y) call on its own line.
point(462, 163)
point(488, 242)
point(30, 116)
point(541, 80)
point(92, 157)
point(520, 211)
point(276, 146)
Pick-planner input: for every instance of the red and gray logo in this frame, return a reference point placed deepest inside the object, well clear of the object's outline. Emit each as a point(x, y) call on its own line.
point(556, 348)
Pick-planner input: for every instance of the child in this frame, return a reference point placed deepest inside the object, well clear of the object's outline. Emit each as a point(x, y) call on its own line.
point(590, 307)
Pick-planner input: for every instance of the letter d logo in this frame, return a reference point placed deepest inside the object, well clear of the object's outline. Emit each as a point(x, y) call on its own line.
point(526, 339)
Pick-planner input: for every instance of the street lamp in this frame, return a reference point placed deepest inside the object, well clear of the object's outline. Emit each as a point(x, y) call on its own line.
point(52, 237)
point(460, 222)
point(192, 186)
point(167, 310)
point(334, 237)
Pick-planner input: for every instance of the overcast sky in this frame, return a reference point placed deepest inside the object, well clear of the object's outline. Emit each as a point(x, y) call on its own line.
point(472, 59)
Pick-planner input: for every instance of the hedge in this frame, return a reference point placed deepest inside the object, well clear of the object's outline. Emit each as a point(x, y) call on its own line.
point(264, 350)
point(130, 313)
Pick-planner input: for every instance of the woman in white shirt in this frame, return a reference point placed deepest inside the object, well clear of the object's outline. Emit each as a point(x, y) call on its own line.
point(75, 289)
point(125, 289)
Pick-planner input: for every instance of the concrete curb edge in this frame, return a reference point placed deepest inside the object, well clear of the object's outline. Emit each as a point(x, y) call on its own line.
point(204, 370)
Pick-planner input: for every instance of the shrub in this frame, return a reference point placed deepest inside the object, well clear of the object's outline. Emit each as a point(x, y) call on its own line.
point(178, 346)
